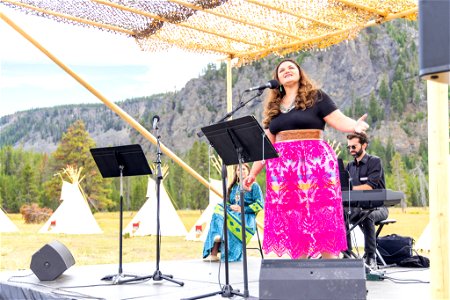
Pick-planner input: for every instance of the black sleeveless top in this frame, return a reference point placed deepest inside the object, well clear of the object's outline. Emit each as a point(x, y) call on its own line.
point(310, 118)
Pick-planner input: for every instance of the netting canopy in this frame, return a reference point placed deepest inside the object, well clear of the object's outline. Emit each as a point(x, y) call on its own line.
point(244, 30)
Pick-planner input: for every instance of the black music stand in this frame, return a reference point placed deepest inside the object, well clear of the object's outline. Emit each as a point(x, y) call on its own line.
point(120, 161)
point(237, 141)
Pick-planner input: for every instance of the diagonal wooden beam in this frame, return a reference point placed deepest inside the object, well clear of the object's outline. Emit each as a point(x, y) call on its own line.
point(297, 15)
point(221, 15)
point(157, 17)
point(363, 7)
point(331, 34)
point(203, 47)
point(72, 18)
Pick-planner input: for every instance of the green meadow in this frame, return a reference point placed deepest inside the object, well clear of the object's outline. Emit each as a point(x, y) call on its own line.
point(17, 248)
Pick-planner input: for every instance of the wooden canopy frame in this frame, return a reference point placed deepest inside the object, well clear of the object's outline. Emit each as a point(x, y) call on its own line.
point(243, 30)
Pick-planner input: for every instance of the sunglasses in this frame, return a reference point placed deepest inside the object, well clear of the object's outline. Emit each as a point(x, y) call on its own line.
point(353, 147)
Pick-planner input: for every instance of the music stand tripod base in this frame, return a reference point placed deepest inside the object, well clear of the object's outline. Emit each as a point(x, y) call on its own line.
point(117, 278)
point(120, 161)
point(157, 276)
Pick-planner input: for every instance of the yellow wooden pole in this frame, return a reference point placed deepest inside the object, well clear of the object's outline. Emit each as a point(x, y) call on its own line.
point(126, 117)
point(438, 164)
point(229, 85)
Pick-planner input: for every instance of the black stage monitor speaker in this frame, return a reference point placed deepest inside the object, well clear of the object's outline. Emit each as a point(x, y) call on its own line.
point(434, 40)
point(51, 261)
point(312, 279)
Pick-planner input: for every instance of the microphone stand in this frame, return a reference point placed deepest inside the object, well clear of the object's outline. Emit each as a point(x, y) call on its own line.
point(157, 275)
point(240, 105)
point(227, 290)
point(349, 252)
point(231, 113)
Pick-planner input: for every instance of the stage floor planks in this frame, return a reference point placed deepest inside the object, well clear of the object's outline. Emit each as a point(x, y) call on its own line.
point(84, 282)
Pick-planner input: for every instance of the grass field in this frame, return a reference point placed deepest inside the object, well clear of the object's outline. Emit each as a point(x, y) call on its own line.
point(17, 248)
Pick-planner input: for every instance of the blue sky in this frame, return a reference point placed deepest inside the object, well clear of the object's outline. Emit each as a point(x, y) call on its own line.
point(113, 64)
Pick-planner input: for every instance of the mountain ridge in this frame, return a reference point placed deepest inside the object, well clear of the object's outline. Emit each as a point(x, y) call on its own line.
point(351, 73)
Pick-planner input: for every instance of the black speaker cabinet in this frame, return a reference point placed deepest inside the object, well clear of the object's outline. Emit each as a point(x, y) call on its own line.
point(434, 40)
point(312, 279)
point(49, 262)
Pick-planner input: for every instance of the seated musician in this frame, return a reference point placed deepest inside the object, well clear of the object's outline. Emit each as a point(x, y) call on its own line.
point(366, 173)
point(253, 203)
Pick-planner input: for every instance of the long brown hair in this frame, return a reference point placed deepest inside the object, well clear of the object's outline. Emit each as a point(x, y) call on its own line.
point(306, 95)
point(236, 176)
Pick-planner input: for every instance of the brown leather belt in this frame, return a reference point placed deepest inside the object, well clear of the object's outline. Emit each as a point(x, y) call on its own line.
point(299, 134)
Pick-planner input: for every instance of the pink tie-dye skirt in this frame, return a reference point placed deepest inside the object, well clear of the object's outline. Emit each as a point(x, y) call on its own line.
point(303, 209)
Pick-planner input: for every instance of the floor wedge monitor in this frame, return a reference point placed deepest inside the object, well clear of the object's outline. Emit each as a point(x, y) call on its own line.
point(312, 279)
point(49, 262)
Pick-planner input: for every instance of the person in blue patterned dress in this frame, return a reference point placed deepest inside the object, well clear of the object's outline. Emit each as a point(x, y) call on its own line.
point(253, 203)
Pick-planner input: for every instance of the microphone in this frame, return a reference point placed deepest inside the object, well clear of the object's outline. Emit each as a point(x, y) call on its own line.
point(155, 122)
point(271, 84)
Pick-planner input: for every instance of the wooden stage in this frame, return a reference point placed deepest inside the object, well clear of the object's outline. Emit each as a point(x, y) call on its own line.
point(199, 278)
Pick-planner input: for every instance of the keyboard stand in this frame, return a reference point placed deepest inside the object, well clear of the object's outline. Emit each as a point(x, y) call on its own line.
point(371, 275)
point(351, 253)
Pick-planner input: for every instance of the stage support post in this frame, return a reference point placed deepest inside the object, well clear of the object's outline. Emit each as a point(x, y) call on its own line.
point(438, 166)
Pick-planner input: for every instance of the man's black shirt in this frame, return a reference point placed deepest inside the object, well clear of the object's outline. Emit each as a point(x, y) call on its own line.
point(367, 171)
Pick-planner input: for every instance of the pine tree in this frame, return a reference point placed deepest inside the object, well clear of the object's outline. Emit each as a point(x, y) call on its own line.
point(389, 153)
point(398, 176)
point(374, 109)
point(360, 108)
point(138, 191)
point(384, 89)
point(396, 98)
point(186, 191)
point(422, 184)
point(73, 150)
point(402, 93)
point(28, 186)
point(377, 148)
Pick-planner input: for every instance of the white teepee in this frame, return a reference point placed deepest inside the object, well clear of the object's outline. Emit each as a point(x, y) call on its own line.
point(144, 223)
point(73, 216)
point(200, 229)
point(6, 225)
point(424, 241)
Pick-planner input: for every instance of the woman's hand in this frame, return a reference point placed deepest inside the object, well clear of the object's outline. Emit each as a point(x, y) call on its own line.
point(247, 188)
point(235, 207)
point(341, 122)
point(248, 181)
point(361, 125)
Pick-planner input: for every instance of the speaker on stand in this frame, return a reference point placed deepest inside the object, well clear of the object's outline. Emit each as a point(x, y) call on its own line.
point(434, 40)
point(49, 262)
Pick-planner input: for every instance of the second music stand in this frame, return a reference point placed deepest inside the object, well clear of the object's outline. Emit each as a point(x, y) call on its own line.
point(120, 161)
point(237, 141)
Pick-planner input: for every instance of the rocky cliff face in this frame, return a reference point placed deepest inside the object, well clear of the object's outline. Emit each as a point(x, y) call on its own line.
point(347, 72)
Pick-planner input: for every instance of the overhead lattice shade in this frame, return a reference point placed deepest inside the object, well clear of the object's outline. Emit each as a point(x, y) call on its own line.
point(242, 29)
